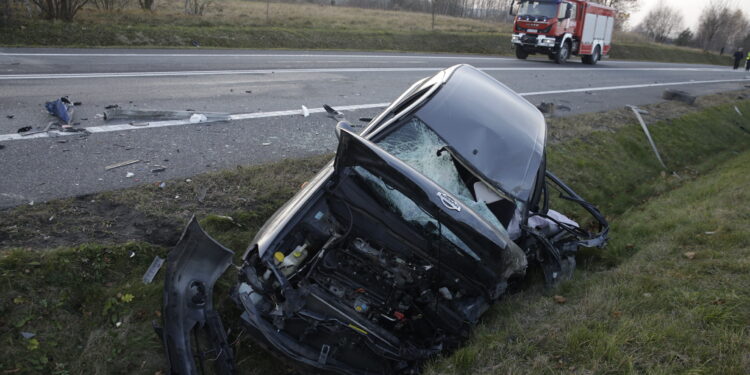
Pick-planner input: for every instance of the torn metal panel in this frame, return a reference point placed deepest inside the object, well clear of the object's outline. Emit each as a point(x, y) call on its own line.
point(637, 112)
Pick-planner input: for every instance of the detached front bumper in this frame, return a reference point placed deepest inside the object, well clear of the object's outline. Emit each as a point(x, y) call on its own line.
point(193, 267)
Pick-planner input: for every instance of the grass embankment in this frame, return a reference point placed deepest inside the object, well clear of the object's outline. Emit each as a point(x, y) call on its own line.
point(679, 304)
point(655, 311)
point(243, 24)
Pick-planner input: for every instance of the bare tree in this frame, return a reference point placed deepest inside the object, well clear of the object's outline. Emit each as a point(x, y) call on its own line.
point(720, 26)
point(685, 38)
point(147, 4)
point(660, 23)
point(6, 12)
point(196, 7)
point(59, 9)
point(110, 5)
point(624, 10)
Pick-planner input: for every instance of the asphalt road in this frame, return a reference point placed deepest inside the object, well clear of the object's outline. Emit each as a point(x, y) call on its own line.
point(265, 90)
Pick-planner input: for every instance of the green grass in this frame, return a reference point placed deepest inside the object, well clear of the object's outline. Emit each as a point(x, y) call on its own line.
point(243, 24)
point(658, 312)
point(694, 316)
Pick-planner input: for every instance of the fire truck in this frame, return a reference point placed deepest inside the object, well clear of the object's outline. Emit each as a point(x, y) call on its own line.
point(562, 28)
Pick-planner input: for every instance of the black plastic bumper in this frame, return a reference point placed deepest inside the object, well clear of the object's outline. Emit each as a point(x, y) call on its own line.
point(193, 267)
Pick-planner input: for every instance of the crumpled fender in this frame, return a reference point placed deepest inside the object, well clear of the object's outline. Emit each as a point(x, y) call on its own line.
point(193, 267)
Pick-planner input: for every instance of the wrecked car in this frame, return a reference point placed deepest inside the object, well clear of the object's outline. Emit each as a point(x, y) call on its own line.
point(396, 248)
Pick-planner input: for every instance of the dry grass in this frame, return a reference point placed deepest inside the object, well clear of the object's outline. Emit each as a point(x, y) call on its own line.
point(309, 16)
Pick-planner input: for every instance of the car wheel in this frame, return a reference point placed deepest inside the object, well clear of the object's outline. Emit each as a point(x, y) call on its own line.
point(563, 53)
point(521, 54)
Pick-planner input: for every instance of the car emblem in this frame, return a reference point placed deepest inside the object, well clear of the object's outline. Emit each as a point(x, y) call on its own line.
point(449, 202)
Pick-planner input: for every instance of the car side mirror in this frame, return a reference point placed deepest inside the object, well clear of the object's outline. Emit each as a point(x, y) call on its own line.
point(343, 125)
point(568, 11)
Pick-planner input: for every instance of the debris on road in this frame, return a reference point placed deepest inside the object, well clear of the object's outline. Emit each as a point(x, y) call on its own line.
point(24, 129)
point(153, 269)
point(266, 144)
point(333, 113)
point(121, 164)
point(132, 114)
point(61, 108)
point(158, 168)
point(46, 129)
point(112, 106)
point(305, 111)
point(248, 91)
point(678, 95)
point(10, 117)
point(129, 175)
point(197, 118)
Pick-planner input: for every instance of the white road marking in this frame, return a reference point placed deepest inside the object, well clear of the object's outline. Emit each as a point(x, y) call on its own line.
point(256, 115)
point(6, 77)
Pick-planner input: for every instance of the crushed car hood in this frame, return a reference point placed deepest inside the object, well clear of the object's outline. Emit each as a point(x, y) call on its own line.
point(496, 255)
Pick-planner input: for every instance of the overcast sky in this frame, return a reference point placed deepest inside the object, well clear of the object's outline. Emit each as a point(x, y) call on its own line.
point(690, 9)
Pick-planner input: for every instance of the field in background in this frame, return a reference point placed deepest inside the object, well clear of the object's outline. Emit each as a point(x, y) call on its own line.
point(90, 313)
point(243, 24)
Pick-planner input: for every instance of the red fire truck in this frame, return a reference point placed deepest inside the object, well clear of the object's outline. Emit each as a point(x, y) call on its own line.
point(561, 28)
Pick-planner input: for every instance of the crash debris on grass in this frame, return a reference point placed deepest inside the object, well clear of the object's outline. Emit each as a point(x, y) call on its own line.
point(153, 269)
point(679, 95)
point(392, 253)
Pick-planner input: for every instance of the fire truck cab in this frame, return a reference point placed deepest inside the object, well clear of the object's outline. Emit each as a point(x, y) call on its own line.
point(562, 28)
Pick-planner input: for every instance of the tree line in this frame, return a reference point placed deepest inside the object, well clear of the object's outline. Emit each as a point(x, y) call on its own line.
point(495, 10)
point(721, 27)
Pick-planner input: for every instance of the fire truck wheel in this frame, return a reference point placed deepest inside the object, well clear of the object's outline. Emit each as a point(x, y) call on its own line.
point(563, 53)
point(521, 54)
point(593, 58)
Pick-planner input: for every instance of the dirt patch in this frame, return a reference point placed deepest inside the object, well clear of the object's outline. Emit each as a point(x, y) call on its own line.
point(154, 214)
point(89, 218)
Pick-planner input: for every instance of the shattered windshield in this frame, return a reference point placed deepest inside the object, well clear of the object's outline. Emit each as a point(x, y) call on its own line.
point(538, 9)
point(411, 211)
point(417, 145)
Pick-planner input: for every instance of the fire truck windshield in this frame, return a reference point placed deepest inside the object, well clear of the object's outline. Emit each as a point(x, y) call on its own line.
point(538, 9)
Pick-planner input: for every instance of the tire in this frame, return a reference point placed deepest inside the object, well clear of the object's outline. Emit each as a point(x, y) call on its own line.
point(562, 55)
point(593, 58)
point(521, 54)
